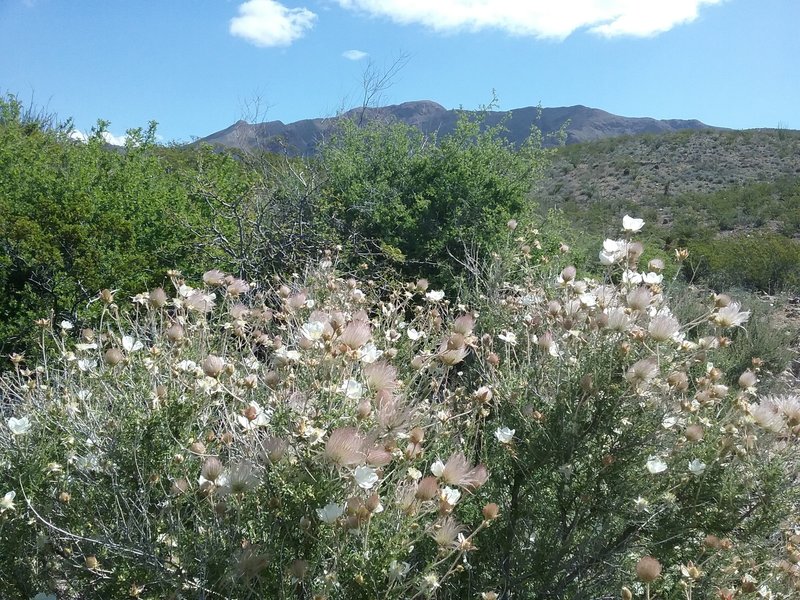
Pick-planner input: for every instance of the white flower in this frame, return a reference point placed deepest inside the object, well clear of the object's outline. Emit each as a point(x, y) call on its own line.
point(731, 316)
point(669, 422)
point(261, 418)
point(287, 356)
point(314, 435)
point(588, 299)
point(19, 426)
point(631, 224)
point(415, 474)
point(313, 330)
point(631, 277)
point(187, 366)
point(652, 278)
point(641, 504)
point(86, 364)
point(504, 435)
point(607, 258)
point(435, 295)
point(437, 468)
point(7, 502)
point(365, 477)
point(611, 246)
point(185, 290)
point(656, 465)
point(509, 337)
point(414, 335)
point(429, 583)
point(450, 495)
point(369, 353)
point(352, 389)
point(131, 344)
point(398, 570)
point(66, 325)
point(696, 467)
point(82, 347)
point(330, 513)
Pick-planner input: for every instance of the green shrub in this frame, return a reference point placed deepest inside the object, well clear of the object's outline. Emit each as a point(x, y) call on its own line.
point(320, 437)
point(425, 199)
point(78, 217)
point(764, 262)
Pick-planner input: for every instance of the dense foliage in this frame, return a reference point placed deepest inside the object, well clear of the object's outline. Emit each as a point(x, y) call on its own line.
point(424, 200)
point(77, 218)
point(321, 436)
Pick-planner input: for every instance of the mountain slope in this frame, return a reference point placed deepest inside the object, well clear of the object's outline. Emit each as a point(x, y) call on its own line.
point(583, 124)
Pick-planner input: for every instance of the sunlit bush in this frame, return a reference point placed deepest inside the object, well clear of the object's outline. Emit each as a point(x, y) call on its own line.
point(319, 436)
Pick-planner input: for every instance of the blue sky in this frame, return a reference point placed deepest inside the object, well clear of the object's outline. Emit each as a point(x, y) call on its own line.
point(196, 66)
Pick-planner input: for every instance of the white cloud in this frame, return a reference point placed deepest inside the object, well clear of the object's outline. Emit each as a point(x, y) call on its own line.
point(354, 54)
point(78, 136)
point(114, 140)
point(538, 18)
point(268, 23)
point(108, 137)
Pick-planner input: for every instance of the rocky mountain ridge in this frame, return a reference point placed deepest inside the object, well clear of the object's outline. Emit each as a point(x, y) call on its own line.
point(583, 124)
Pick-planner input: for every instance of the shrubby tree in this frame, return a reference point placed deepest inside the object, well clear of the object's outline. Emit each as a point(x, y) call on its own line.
point(422, 199)
point(78, 217)
point(263, 210)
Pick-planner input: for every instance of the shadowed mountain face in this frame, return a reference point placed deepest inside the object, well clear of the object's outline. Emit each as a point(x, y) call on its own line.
point(583, 124)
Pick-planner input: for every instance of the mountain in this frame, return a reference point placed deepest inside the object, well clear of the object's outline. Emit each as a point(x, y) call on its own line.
point(583, 125)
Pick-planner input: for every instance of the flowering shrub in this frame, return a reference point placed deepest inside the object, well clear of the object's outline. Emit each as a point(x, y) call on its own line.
point(324, 437)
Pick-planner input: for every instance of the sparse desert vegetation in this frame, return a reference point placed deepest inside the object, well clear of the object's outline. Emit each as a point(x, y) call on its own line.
point(380, 373)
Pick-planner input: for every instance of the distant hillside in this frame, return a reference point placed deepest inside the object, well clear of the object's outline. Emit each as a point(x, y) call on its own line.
point(583, 125)
point(676, 175)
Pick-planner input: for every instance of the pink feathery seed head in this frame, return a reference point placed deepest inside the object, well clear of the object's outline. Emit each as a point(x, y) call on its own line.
point(642, 371)
point(213, 365)
point(678, 380)
point(457, 471)
point(663, 328)
point(546, 341)
point(445, 532)
point(214, 277)
point(618, 320)
point(427, 488)
point(237, 287)
point(635, 250)
point(639, 299)
point(297, 301)
point(157, 297)
point(345, 447)
point(274, 449)
point(355, 334)
point(379, 457)
point(464, 325)
point(393, 414)
point(200, 302)
point(212, 468)
point(380, 376)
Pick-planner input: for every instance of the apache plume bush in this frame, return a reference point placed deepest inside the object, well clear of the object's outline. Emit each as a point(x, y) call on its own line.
point(548, 435)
